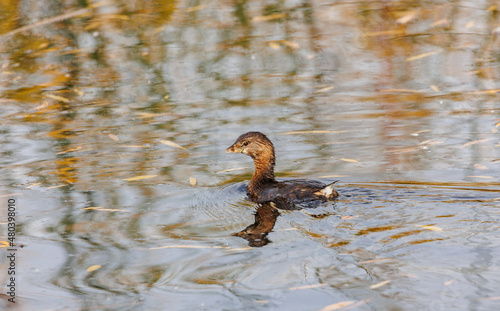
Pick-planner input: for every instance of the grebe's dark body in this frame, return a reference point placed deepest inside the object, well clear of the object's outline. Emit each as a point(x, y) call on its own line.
point(263, 187)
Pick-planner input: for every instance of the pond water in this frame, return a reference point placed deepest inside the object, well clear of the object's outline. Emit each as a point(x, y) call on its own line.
point(115, 118)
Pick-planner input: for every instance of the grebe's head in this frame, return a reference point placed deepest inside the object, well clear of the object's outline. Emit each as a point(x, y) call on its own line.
point(254, 144)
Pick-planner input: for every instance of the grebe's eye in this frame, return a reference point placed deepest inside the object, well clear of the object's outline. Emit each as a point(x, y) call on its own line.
point(245, 143)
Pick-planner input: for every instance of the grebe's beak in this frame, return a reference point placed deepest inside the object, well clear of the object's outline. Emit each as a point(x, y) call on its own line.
point(232, 149)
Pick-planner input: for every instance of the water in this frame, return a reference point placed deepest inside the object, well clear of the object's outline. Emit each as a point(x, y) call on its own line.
point(115, 120)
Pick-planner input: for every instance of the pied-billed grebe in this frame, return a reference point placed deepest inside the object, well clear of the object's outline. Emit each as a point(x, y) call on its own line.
point(263, 186)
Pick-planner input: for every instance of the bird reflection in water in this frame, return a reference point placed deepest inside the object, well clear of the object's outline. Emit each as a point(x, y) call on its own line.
point(256, 233)
point(265, 217)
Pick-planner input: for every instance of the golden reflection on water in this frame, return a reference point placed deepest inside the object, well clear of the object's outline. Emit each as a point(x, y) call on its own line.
point(375, 229)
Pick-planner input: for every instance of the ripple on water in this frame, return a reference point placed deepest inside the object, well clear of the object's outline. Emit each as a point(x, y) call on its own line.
point(223, 202)
point(180, 242)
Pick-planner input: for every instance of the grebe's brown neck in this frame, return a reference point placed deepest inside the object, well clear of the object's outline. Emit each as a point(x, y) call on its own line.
point(261, 150)
point(264, 170)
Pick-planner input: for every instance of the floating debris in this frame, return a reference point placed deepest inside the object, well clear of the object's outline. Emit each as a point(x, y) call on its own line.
point(386, 32)
point(93, 268)
point(325, 89)
point(308, 286)
point(291, 44)
point(56, 97)
point(349, 160)
point(491, 91)
point(412, 58)
point(171, 144)
point(274, 45)
point(430, 142)
point(34, 185)
point(50, 20)
point(379, 284)
point(422, 145)
point(375, 260)
point(98, 208)
point(349, 217)
point(475, 142)
point(419, 132)
point(140, 177)
point(406, 18)
point(348, 304)
point(440, 22)
point(114, 137)
point(480, 167)
point(430, 227)
point(270, 17)
point(192, 181)
point(42, 106)
point(145, 115)
point(469, 25)
point(196, 8)
point(78, 148)
point(58, 186)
